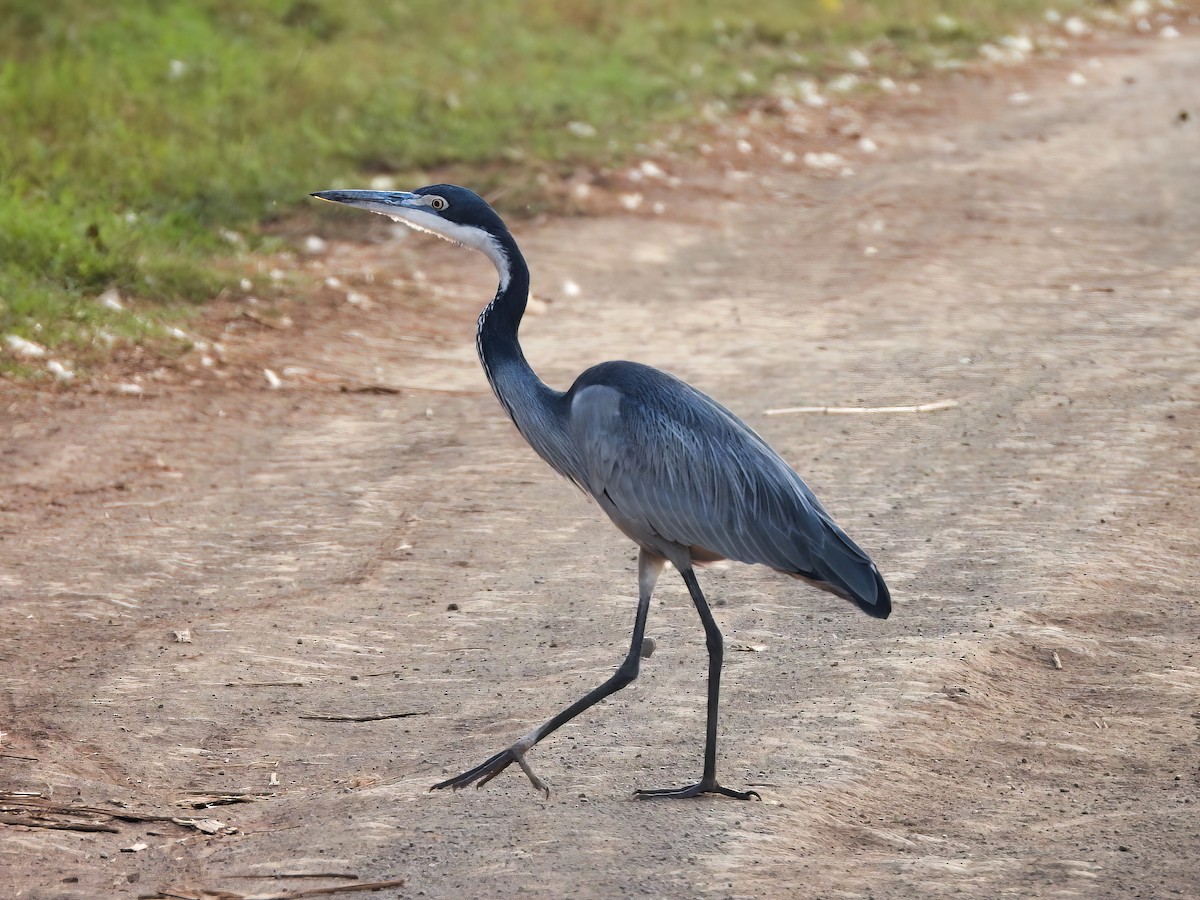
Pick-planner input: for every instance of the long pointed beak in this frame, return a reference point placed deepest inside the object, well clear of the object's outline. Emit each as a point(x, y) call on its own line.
point(376, 201)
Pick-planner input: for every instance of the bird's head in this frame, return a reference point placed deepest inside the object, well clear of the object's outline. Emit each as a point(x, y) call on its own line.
point(449, 211)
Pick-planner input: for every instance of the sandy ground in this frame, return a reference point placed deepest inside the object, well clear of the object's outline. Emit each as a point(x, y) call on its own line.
point(1026, 724)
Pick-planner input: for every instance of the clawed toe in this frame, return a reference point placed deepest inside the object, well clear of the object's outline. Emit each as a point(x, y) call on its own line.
point(695, 790)
point(489, 769)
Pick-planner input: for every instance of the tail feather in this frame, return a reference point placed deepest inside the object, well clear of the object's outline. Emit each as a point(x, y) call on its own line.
point(848, 572)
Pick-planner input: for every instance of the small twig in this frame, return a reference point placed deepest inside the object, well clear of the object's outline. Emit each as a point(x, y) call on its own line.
point(399, 388)
point(249, 684)
point(297, 894)
point(57, 825)
point(207, 826)
point(204, 801)
point(259, 320)
point(14, 756)
point(860, 410)
point(376, 718)
point(369, 389)
point(349, 876)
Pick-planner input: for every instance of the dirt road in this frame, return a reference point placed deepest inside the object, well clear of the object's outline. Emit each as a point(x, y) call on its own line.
point(1026, 724)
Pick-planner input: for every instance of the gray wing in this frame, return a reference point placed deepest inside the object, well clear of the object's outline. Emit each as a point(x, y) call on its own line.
point(674, 469)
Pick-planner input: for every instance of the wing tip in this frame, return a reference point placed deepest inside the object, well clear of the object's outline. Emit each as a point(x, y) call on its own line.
point(876, 603)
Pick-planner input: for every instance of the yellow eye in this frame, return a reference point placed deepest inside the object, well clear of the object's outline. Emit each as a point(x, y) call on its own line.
point(438, 203)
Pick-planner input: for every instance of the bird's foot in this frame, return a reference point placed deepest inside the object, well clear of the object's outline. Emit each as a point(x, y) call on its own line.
point(490, 768)
point(695, 790)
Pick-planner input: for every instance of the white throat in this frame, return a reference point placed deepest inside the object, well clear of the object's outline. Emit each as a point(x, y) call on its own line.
point(466, 235)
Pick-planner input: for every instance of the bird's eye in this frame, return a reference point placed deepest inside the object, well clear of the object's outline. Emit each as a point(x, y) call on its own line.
point(438, 203)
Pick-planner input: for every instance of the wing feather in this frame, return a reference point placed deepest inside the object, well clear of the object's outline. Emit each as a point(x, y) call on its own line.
point(674, 469)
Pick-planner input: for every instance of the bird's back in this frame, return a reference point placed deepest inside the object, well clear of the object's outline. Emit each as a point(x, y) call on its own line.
point(677, 471)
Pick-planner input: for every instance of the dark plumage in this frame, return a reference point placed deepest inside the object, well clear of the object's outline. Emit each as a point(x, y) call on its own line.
point(678, 473)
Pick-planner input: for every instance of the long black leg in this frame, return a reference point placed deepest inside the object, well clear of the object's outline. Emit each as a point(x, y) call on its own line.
point(716, 651)
point(649, 568)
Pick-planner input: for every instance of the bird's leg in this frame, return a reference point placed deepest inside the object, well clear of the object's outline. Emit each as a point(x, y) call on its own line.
point(716, 644)
point(649, 568)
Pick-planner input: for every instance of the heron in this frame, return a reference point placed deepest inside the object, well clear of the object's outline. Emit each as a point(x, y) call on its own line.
point(680, 475)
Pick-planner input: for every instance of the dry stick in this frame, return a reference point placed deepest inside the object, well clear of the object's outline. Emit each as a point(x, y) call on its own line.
point(860, 410)
point(124, 815)
point(349, 876)
point(60, 826)
point(250, 684)
point(370, 389)
point(298, 894)
point(376, 718)
point(204, 800)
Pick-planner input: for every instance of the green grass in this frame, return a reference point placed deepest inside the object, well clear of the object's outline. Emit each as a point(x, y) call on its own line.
point(137, 134)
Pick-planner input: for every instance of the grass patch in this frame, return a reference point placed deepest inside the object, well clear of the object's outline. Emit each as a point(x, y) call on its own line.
point(139, 135)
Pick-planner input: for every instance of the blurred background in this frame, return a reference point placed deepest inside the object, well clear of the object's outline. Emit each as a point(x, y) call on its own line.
point(149, 145)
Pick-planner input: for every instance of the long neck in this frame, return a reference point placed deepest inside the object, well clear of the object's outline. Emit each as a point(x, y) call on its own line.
point(534, 407)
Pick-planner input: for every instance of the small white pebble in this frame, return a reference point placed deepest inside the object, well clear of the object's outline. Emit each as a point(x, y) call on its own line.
point(1053, 16)
point(658, 208)
point(582, 129)
point(59, 371)
point(1077, 79)
point(314, 244)
point(810, 95)
point(870, 251)
point(866, 145)
point(630, 201)
point(843, 84)
point(176, 69)
point(571, 289)
point(361, 300)
point(788, 158)
point(383, 183)
point(1169, 32)
point(26, 349)
point(1018, 98)
point(744, 146)
point(651, 170)
point(858, 59)
point(887, 85)
point(129, 388)
point(274, 382)
point(111, 299)
point(1076, 27)
point(276, 275)
point(246, 284)
point(823, 160)
point(1019, 43)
